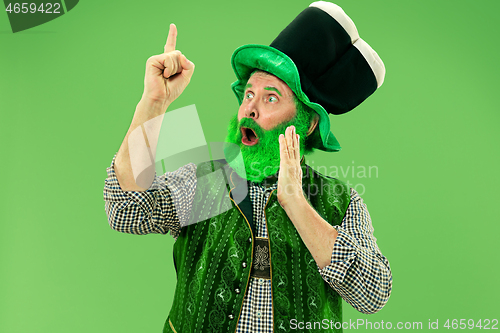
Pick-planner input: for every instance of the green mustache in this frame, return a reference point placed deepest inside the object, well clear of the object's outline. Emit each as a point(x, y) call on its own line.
point(251, 124)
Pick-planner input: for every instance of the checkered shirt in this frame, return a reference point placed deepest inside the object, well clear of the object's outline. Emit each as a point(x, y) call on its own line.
point(257, 312)
point(358, 271)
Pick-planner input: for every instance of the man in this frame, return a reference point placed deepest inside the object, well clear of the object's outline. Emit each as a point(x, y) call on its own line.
point(291, 242)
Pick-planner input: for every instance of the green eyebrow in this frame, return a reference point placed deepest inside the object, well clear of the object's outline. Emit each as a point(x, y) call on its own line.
point(248, 85)
point(273, 89)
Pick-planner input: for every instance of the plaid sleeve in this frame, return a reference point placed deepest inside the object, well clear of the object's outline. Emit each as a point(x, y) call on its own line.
point(154, 210)
point(358, 271)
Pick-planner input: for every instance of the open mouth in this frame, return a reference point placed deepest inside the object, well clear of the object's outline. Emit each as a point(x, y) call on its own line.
point(249, 137)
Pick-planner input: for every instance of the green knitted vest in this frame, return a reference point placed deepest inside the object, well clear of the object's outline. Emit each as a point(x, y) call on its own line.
point(213, 258)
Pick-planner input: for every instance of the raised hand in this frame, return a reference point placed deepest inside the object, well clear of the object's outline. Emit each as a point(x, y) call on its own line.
point(167, 74)
point(290, 174)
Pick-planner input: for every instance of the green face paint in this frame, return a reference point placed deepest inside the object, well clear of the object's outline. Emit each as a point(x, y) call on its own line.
point(262, 159)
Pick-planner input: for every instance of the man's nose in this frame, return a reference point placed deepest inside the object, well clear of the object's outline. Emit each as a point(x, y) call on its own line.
point(251, 110)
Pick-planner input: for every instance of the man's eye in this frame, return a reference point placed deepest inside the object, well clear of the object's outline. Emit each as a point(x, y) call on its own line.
point(272, 99)
point(248, 95)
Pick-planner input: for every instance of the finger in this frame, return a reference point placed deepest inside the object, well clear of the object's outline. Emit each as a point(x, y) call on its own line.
point(283, 153)
point(171, 64)
point(289, 141)
point(156, 64)
point(171, 39)
point(185, 69)
point(297, 149)
point(187, 66)
point(294, 143)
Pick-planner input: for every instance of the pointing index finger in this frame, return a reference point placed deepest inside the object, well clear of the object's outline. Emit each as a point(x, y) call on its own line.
point(171, 39)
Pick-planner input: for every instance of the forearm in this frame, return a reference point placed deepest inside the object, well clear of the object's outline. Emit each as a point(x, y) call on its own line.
point(358, 271)
point(349, 259)
point(362, 277)
point(140, 142)
point(154, 210)
point(316, 233)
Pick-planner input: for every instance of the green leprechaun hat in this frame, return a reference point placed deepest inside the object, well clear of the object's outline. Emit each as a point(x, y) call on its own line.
point(321, 57)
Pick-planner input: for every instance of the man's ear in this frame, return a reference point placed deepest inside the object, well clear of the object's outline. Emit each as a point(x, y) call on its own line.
point(314, 123)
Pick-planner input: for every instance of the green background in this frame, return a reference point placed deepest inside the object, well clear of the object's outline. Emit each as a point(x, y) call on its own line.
point(68, 90)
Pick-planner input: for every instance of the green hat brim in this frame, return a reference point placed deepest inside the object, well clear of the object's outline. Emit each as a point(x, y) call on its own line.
point(249, 57)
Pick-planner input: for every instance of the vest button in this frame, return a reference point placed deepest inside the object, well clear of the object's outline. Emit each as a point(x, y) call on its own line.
point(237, 290)
point(250, 240)
point(244, 264)
point(231, 317)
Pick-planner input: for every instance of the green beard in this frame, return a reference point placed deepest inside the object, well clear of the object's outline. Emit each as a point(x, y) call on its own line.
point(261, 160)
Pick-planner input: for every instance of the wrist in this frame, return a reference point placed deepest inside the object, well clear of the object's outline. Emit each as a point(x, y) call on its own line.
point(153, 105)
point(146, 110)
point(294, 203)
